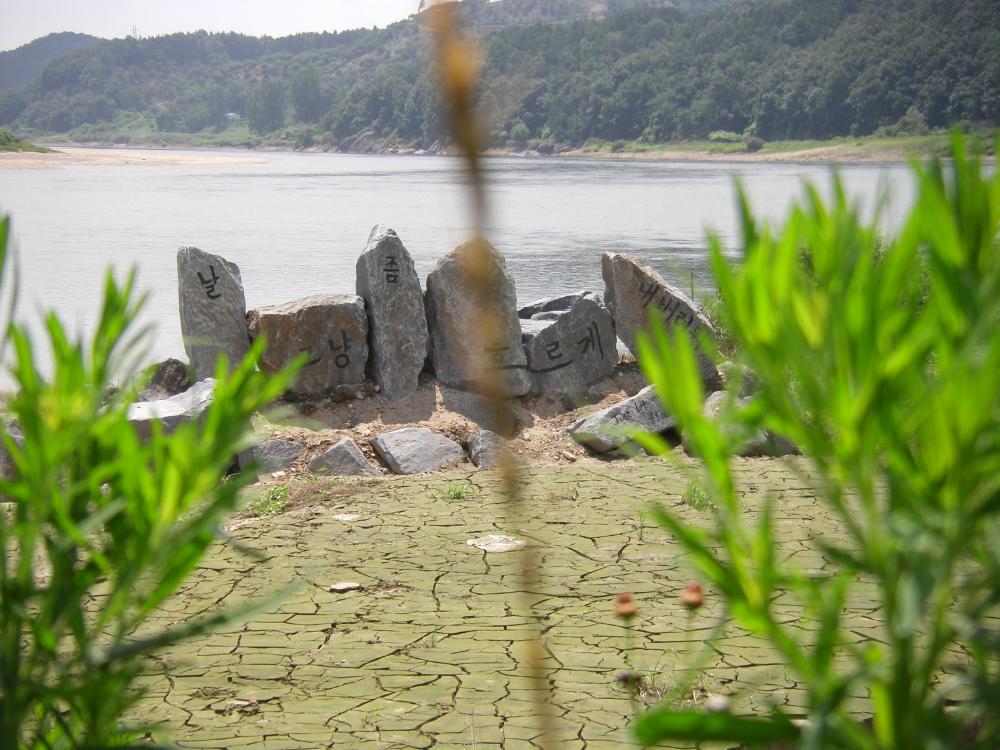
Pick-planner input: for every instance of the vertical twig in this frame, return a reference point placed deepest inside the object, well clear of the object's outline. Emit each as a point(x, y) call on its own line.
point(459, 67)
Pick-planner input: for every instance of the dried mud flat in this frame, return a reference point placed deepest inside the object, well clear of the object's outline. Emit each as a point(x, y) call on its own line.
point(425, 653)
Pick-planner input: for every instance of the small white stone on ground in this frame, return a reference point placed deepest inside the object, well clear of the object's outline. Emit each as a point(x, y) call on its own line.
point(344, 587)
point(496, 543)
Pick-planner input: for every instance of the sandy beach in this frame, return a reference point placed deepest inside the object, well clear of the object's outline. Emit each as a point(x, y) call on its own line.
point(67, 156)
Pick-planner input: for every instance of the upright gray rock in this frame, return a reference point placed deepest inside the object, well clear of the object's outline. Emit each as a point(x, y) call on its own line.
point(397, 324)
point(610, 428)
point(416, 450)
point(570, 348)
point(13, 430)
point(631, 290)
point(212, 308)
point(173, 411)
point(331, 329)
point(343, 459)
point(271, 455)
point(454, 315)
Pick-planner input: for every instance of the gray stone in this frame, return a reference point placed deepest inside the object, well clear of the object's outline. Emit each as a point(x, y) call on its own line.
point(271, 455)
point(212, 309)
point(172, 412)
point(397, 323)
point(611, 428)
point(733, 372)
point(331, 329)
point(455, 303)
point(496, 543)
point(632, 290)
point(170, 377)
point(486, 449)
point(415, 450)
point(577, 348)
point(343, 459)
point(13, 430)
point(550, 305)
point(758, 443)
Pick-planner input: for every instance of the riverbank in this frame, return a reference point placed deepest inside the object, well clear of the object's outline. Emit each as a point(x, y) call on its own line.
point(165, 153)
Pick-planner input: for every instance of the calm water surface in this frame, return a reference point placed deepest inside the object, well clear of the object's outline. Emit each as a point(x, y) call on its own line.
point(296, 223)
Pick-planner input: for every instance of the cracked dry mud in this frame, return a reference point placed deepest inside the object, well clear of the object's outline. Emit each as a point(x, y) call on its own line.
point(425, 655)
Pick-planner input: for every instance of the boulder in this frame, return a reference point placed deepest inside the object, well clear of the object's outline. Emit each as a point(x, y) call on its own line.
point(331, 329)
point(415, 450)
point(632, 290)
point(733, 372)
point(453, 303)
point(397, 324)
point(271, 455)
point(575, 348)
point(760, 443)
point(172, 412)
point(486, 449)
point(343, 459)
point(170, 377)
point(610, 428)
point(212, 309)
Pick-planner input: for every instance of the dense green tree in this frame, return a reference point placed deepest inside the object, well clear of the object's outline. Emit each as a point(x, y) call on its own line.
point(265, 106)
point(307, 96)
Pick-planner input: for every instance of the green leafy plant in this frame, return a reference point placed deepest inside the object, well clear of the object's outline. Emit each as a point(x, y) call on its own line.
point(892, 394)
point(271, 503)
point(457, 491)
point(697, 495)
point(99, 527)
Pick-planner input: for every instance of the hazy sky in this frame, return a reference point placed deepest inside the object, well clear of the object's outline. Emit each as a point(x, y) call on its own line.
point(24, 21)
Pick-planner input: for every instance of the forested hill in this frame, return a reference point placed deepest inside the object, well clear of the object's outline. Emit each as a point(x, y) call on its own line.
point(775, 69)
point(19, 66)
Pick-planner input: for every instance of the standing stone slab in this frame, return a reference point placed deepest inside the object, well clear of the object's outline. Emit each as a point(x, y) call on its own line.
point(212, 308)
point(343, 459)
point(171, 412)
point(388, 283)
point(416, 450)
point(331, 329)
point(486, 450)
point(605, 430)
point(453, 316)
point(631, 290)
point(572, 348)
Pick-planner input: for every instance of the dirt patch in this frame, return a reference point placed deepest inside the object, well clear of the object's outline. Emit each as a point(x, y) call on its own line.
point(537, 425)
point(106, 157)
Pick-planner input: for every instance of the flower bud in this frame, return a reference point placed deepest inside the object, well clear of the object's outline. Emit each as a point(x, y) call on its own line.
point(693, 597)
point(625, 606)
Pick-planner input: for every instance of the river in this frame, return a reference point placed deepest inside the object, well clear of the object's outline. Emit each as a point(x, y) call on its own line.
point(295, 223)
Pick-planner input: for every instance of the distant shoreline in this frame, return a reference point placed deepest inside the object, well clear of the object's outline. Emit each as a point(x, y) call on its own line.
point(840, 152)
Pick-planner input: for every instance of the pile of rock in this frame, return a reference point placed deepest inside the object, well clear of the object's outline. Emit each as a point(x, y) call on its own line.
point(381, 339)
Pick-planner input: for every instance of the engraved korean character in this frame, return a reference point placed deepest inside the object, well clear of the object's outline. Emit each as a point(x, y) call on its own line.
point(342, 360)
point(592, 341)
point(391, 269)
point(312, 360)
point(554, 350)
point(209, 283)
point(648, 291)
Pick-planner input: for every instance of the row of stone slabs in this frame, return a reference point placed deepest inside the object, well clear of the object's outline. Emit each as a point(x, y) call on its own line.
point(391, 329)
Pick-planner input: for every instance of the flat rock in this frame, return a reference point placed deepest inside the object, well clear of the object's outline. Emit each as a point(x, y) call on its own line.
point(271, 455)
point(345, 587)
point(496, 543)
point(486, 449)
point(550, 305)
point(170, 378)
point(343, 459)
point(397, 324)
point(458, 350)
point(416, 450)
point(331, 329)
point(608, 429)
point(212, 310)
point(632, 290)
point(172, 412)
point(570, 348)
